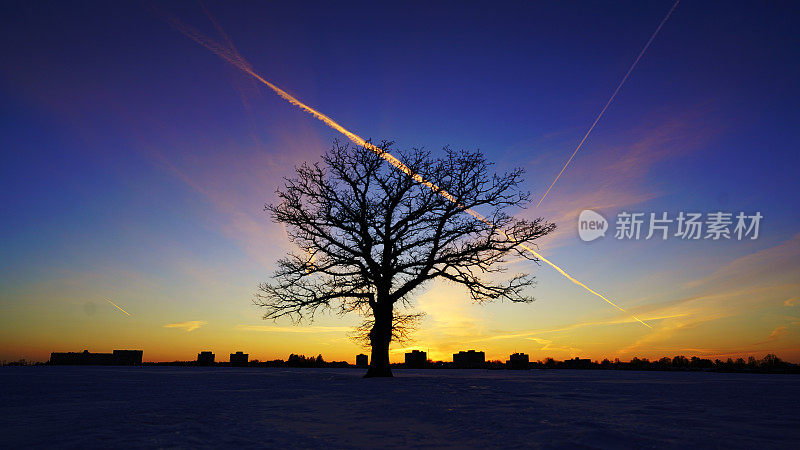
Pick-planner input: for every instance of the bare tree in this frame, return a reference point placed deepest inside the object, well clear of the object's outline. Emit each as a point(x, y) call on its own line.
point(371, 235)
point(403, 325)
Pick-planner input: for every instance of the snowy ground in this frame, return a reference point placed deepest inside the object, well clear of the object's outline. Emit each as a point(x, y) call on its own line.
point(205, 407)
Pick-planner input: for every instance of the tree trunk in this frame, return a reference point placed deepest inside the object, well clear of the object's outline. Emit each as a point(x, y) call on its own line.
point(380, 336)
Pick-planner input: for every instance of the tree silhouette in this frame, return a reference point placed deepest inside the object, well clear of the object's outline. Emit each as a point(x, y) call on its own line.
point(371, 235)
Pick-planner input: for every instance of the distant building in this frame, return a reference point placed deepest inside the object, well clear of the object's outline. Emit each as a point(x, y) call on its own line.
point(127, 357)
point(205, 359)
point(577, 363)
point(238, 359)
point(86, 358)
point(416, 359)
point(518, 361)
point(469, 360)
point(362, 360)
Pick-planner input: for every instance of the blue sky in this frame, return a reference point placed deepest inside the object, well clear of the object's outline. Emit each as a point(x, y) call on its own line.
point(136, 164)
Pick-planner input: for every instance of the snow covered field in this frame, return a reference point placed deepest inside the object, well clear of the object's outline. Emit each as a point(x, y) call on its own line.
point(205, 407)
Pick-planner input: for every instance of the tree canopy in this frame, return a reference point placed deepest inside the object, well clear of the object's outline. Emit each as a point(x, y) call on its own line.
point(371, 235)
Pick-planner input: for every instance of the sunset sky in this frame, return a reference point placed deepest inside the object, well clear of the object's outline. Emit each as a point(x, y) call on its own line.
point(135, 166)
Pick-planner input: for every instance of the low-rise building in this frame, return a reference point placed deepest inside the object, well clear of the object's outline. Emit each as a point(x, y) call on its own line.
point(577, 363)
point(416, 359)
point(87, 358)
point(205, 359)
point(518, 361)
point(469, 360)
point(239, 359)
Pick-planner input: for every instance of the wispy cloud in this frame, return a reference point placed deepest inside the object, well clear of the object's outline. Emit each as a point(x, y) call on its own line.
point(187, 326)
point(548, 345)
point(623, 319)
point(703, 309)
point(776, 334)
point(762, 279)
point(615, 175)
point(279, 329)
point(777, 263)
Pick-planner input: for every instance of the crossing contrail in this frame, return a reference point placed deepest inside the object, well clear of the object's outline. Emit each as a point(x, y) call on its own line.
point(619, 86)
point(117, 306)
point(232, 56)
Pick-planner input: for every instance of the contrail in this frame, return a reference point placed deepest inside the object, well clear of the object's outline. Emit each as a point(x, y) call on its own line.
point(233, 57)
point(619, 86)
point(117, 306)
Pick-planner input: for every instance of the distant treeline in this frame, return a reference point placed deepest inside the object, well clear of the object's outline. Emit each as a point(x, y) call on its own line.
point(768, 364)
